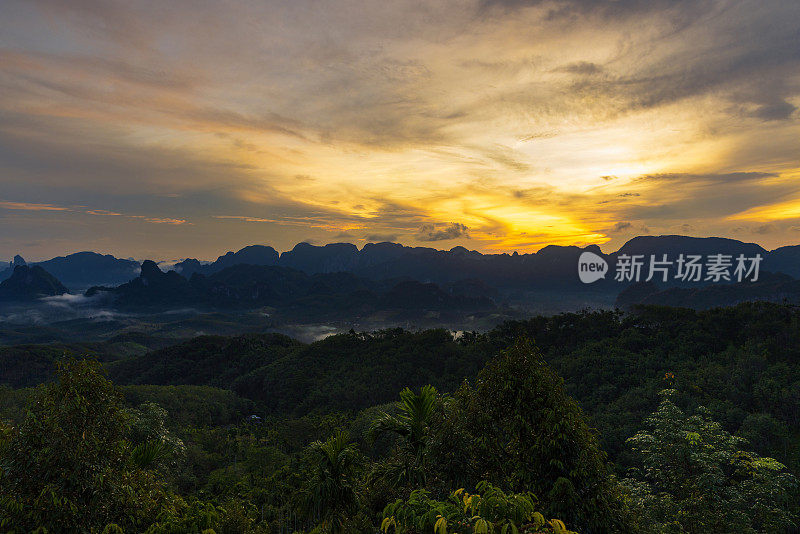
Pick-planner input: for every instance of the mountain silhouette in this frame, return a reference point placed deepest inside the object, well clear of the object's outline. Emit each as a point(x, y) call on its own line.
point(151, 287)
point(30, 283)
point(250, 255)
point(85, 269)
point(294, 292)
point(778, 288)
point(672, 245)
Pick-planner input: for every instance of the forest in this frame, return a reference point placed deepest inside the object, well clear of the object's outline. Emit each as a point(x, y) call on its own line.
point(653, 420)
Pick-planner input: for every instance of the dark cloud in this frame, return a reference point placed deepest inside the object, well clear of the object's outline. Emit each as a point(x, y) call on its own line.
point(565, 8)
point(676, 196)
point(380, 238)
point(582, 67)
point(746, 64)
point(433, 232)
point(706, 178)
point(764, 229)
point(60, 154)
point(781, 110)
point(622, 226)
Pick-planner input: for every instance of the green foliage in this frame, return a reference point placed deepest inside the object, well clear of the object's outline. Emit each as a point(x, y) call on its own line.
point(736, 361)
point(205, 360)
point(696, 478)
point(147, 454)
point(490, 511)
point(12, 403)
point(351, 371)
point(67, 467)
point(191, 405)
point(29, 365)
point(197, 516)
point(412, 423)
point(156, 447)
point(329, 492)
point(518, 428)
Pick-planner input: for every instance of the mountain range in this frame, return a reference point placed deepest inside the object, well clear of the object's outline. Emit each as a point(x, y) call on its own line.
point(295, 294)
point(342, 269)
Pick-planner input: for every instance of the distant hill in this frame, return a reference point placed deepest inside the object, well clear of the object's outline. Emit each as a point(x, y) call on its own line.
point(294, 293)
point(30, 283)
point(778, 288)
point(672, 245)
point(8, 271)
point(784, 260)
point(151, 287)
point(250, 255)
point(85, 269)
point(345, 371)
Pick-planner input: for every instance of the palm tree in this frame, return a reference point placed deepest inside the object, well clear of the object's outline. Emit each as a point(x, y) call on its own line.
point(412, 424)
point(330, 490)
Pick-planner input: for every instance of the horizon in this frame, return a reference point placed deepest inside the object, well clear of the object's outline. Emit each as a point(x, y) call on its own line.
point(498, 125)
point(171, 261)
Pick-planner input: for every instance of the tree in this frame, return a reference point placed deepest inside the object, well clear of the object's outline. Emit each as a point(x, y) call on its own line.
point(412, 425)
point(695, 477)
point(518, 429)
point(154, 445)
point(68, 466)
point(330, 491)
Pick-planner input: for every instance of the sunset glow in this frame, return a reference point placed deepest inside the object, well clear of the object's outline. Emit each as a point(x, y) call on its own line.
point(498, 125)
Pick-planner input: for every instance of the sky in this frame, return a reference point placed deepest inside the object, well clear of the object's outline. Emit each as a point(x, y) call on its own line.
point(185, 129)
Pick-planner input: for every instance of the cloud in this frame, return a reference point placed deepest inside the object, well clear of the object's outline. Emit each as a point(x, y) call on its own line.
point(764, 229)
point(380, 238)
point(575, 12)
point(434, 232)
point(165, 220)
point(29, 206)
point(689, 178)
point(104, 212)
point(506, 157)
point(780, 110)
point(622, 226)
point(687, 196)
point(583, 68)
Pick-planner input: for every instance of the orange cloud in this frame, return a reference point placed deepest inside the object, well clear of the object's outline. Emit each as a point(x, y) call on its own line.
point(30, 206)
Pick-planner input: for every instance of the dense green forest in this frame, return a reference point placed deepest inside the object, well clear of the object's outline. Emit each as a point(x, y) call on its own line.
point(658, 420)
